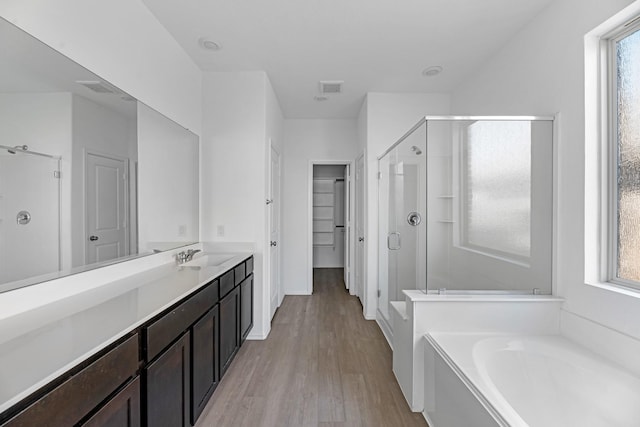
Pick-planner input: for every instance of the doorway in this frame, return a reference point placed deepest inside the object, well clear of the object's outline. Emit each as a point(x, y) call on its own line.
point(106, 208)
point(331, 220)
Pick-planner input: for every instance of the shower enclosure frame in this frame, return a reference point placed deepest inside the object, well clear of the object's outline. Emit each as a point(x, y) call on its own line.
point(553, 197)
point(23, 149)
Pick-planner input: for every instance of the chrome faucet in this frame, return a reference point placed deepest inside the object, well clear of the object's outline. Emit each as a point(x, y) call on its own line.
point(182, 257)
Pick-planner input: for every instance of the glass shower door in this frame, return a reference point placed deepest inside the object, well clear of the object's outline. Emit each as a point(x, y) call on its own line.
point(402, 205)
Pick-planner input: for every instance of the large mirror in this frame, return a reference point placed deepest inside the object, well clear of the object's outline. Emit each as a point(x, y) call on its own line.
point(88, 175)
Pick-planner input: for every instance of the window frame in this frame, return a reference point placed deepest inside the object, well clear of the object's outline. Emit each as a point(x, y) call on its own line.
point(609, 69)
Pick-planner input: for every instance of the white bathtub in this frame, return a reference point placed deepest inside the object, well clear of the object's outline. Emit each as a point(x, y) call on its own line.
point(521, 380)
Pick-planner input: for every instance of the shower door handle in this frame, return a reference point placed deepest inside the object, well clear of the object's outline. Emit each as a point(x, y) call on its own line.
point(398, 245)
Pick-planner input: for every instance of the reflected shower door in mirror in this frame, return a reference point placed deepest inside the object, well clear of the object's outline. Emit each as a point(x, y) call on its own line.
point(29, 213)
point(402, 206)
point(51, 105)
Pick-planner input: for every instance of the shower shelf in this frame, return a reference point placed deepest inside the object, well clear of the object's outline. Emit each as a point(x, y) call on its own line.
point(446, 196)
point(446, 221)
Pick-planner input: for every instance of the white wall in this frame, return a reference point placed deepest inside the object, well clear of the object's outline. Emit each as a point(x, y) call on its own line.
point(122, 43)
point(541, 71)
point(385, 117)
point(306, 141)
point(241, 115)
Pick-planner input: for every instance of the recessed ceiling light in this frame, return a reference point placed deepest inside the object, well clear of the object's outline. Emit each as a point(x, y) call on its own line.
point(207, 44)
point(320, 98)
point(432, 71)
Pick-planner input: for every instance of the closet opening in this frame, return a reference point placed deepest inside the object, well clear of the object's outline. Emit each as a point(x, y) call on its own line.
point(331, 221)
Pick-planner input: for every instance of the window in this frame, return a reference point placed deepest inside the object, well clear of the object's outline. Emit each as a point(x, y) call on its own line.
point(496, 202)
point(624, 163)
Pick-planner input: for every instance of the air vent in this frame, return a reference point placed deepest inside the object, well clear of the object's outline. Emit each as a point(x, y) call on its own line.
point(99, 87)
point(331, 87)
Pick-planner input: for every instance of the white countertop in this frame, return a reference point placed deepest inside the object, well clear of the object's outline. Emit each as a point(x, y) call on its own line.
point(39, 345)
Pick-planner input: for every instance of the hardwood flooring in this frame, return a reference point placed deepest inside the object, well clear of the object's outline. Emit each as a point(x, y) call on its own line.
point(322, 365)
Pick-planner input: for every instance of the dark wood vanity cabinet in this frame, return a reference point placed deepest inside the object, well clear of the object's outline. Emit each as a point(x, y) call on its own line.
point(205, 360)
point(229, 330)
point(162, 374)
point(123, 410)
point(246, 307)
point(167, 388)
point(86, 390)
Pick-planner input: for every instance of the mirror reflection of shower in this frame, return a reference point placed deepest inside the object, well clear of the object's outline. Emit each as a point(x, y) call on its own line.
point(29, 213)
point(17, 147)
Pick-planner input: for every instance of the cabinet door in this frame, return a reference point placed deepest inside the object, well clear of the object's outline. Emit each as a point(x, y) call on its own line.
point(205, 359)
point(246, 307)
point(229, 328)
point(123, 410)
point(167, 386)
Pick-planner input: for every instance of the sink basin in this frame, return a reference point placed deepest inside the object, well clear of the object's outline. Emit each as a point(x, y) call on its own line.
point(214, 260)
point(209, 260)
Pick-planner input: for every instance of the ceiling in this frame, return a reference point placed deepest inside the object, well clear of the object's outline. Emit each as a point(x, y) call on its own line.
point(372, 45)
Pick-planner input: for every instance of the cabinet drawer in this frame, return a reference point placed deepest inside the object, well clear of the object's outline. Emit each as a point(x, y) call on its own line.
point(68, 403)
point(239, 273)
point(226, 283)
point(249, 266)
point(163, 331)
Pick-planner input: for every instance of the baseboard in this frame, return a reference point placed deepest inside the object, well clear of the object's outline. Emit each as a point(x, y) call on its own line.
point(386, 330)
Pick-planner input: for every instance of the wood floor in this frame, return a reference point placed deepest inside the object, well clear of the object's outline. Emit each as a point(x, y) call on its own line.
point(322, 365)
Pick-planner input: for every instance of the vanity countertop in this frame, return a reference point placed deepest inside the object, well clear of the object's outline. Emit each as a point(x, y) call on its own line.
point(38, 346)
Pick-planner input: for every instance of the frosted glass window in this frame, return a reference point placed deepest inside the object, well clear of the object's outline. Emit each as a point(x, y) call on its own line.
point(628, 157)
point(497, 200)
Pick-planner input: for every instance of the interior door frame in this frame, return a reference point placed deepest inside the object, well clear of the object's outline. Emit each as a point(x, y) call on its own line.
point(313, 163)
point(85, 171)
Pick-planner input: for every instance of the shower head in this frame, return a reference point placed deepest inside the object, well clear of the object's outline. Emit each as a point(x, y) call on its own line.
point(416, 150)
point(17, 147)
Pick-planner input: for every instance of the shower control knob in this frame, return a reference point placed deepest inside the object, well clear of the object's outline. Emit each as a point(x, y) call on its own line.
point(93, 238)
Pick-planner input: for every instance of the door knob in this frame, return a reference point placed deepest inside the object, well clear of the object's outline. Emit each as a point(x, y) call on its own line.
point(414, 219)
point(273, 243)
point(93, 238)
point(360, 239)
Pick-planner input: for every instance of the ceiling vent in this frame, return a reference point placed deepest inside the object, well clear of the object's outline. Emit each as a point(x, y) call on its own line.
point(99, 87)
point(330, 87)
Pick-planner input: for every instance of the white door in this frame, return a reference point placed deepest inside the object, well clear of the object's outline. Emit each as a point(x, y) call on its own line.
point(274, 234)
point(106, 208)
point(359, 227)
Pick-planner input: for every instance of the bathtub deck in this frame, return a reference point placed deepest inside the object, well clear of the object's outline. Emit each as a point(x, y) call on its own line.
point(540, 380)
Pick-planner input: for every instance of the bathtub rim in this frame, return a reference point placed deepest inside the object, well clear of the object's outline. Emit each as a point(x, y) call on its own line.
point(462, 376)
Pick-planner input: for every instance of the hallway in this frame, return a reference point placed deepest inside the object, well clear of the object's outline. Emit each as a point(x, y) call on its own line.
point(322, 365)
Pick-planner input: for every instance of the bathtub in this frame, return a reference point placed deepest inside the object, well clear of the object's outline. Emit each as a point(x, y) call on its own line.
point(524, 380)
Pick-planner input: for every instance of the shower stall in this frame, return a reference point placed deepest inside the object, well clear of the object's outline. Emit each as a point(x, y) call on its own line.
point(29, 213)
point(465, 206)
